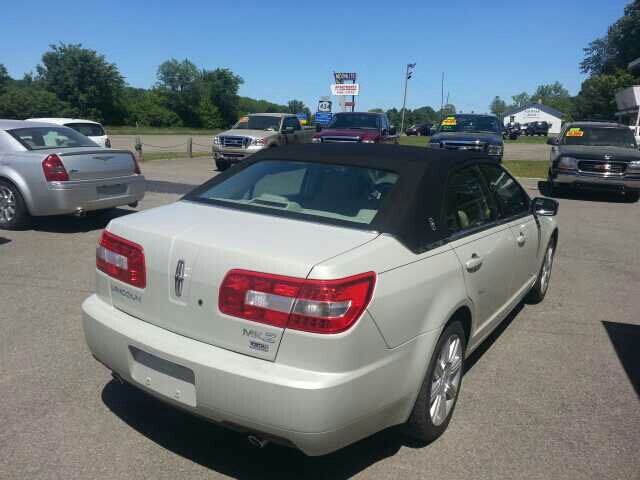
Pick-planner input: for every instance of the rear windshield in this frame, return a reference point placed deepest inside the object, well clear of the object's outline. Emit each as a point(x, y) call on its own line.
point(354, 121)
point(338, 192)
point(42, 138)
point(87, 129)
point(599, 137)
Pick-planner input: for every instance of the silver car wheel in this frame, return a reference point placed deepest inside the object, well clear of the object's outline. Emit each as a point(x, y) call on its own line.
point(446, 380)
point(7, 205)
point(545, 274)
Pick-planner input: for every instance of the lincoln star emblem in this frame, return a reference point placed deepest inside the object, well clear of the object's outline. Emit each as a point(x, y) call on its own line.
point(179, 278)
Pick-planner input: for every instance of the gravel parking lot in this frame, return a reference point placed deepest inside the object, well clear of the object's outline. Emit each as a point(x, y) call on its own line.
point(554, 393)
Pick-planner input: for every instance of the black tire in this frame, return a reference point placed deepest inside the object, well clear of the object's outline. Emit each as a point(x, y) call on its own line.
point(632, 197)
point(420, 425)
point(539, 289)
point(11, 196)
point(222, 165)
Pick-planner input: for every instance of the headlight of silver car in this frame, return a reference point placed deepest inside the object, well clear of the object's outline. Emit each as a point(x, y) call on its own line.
point(568, 163)
point(316, 140)
point(259, 142)
point(216, 140)
point(494, 150)
point(635, 165)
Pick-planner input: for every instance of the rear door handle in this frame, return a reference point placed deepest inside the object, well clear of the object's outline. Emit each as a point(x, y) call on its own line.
point(474, 263)
point(521, 239)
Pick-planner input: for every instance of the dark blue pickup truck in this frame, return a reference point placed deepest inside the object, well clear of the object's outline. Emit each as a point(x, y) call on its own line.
point(479, 133)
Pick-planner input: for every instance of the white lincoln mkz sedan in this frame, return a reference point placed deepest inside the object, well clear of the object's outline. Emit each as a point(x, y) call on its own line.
point(314, 295)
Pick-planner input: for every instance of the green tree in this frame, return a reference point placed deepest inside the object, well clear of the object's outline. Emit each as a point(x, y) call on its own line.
point(24, 102)
point(521, 99)
point(251, 105)
point(296, 106)
point(596, 98)
point(498, 106)
point(222, 86)
point(555, 96)
point(145, 108)
point(375, 110)
point(178, 89)
point(448, 109)
point(177, 76)
point(4, 78)
point(83, 79)
point(618, 48)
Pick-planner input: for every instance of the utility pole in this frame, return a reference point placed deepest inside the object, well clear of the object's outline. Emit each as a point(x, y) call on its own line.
point(441, 95)
point(407, 76)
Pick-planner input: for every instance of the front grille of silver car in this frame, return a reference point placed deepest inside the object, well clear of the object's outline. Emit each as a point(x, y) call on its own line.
point(602, 167)
point(234, 142)
point(462, 145)
point(340, 139)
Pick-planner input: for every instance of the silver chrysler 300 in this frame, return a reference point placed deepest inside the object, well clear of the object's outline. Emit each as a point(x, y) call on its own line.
point(48, 169)
point(316, 294)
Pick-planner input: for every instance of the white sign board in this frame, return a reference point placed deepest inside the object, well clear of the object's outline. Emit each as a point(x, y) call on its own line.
point(340, 89)
point(324, 106)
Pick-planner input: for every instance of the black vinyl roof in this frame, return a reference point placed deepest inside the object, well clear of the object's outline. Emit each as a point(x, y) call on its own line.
point(412, 212)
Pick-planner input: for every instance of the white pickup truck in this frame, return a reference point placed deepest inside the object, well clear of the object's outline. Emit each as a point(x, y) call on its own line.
point(256, 132)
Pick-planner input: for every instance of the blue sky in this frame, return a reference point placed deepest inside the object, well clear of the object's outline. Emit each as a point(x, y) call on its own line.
point(286, 50)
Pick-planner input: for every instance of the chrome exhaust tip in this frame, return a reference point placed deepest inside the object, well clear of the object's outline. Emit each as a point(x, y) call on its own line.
point(80, 212)
point(133, 204)
point(257, 442)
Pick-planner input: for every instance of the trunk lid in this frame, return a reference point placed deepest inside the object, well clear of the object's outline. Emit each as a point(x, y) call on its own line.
point(197, 245)
point(96, 164)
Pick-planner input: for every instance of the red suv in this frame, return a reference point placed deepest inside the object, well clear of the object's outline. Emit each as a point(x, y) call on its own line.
point(357, 127)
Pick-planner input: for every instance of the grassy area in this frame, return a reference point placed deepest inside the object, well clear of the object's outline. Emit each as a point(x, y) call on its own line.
point(527, 168)
point(149, 157)
point(525, 139)
point(124, 130)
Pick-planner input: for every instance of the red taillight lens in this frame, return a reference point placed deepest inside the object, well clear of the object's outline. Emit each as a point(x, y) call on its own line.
point(136, 165)
point(54, 170)
point(121, 259)
point(318, 306)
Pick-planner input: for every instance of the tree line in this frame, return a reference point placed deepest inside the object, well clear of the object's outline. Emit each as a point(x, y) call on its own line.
point(72, 81)
point(605, 61)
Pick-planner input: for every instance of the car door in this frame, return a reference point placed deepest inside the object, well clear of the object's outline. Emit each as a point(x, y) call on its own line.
point(484, 247)
point(514, 209)
point(289, 123)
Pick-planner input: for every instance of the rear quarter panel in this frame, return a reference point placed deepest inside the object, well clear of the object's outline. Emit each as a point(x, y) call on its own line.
point(24, 170)
point(414, 294)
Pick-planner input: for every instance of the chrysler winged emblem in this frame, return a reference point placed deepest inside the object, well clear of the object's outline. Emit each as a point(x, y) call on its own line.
point(179, 278)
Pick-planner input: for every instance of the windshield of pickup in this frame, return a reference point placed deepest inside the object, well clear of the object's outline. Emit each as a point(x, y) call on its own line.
point(469, 123)
point(42, 138)
point(258, 122)
point(304, 189)
point(355, 121)
point(599, 137)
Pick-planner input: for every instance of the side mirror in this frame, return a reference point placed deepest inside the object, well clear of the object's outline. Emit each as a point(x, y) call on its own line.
point(288, 130)
point(552, 141)
point(392, 130)
point(318, 127)
point(544, 207)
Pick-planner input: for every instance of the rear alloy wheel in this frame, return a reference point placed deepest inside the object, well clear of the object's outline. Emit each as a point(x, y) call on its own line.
point(439, 392)
point(13, 212)
point(539, 289)
point(632, 197)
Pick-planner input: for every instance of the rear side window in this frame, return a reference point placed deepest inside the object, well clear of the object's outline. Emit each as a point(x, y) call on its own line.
point(510, 196)
point(87, 129)
point(339, 192)
point(468, 203)
point(42, 138)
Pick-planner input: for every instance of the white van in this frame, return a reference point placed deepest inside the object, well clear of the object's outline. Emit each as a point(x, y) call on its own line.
point(88, 128)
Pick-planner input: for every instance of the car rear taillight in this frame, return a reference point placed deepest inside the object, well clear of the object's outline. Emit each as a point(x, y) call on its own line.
point(121, 259)
point(54, 170)
point(318, 306)
point(136, 165)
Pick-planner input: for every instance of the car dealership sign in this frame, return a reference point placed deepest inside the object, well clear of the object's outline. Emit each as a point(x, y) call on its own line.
point(341, 77)
point(340, 89)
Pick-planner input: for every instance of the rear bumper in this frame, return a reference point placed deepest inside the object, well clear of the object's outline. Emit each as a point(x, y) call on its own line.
point(59, 198)
point(318, 412)
point(596, 181)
